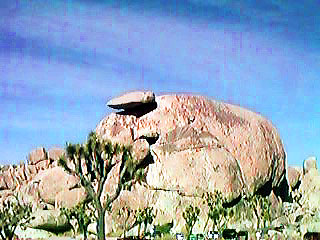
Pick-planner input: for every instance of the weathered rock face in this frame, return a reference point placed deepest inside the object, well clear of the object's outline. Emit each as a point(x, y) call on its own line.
point(203, 139)
point(69, 198)
point(310, 186)
point(55, 180)
point(37, 155)
point(199, 145)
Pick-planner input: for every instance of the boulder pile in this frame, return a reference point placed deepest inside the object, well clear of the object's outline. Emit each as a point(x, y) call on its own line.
point(186, 146)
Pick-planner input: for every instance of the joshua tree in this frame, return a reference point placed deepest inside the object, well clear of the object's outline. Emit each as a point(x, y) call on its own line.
point(191, 215)
point(261, 207)
point(138, 214)
point(84, 215)
point(126, 212)
point(144, 216)
point(93, 161)
point(217, 212)
point(148, 218)
point(13, 214)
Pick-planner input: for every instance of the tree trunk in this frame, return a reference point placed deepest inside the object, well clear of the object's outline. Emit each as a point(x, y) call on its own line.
point(100, 224)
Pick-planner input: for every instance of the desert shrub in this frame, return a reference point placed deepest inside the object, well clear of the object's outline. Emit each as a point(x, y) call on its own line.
point(144, 216)
point(260, 208)
point(83, 213)
point(218, 213)
point(13, 213)
point(126, 212)
point(191, 215)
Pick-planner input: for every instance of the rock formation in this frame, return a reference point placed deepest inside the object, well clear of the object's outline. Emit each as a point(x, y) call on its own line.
point(184, 146)
point(197, 145)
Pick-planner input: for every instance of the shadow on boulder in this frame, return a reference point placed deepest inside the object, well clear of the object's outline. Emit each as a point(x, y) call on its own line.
point(311, 236)
point(139, 110)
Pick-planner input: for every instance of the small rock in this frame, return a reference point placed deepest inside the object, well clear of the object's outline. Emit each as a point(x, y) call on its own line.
point(37, 155)
point(294, 175)
point(54, 154)
point(49, 220)
point(140, 150)
point(308, 164)
point(3, 184)
point(43, 165)
point(131, 100)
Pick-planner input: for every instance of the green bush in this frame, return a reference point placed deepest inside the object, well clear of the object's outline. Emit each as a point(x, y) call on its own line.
point(218, 214)
point(83, 213)
point(13, 214)
point(191, 215)
point(144, 216)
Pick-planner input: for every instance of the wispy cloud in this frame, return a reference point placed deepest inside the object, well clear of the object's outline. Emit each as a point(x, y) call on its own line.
point(61, 61)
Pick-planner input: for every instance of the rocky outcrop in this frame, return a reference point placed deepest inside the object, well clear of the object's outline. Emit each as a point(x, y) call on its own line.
point(40, 181)
point(197, 145)
point(37, 155)
point(185, 145)
point(244, 148)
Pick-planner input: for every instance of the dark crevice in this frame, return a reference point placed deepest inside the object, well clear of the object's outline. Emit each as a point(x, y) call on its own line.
point(142, 166)
point(150, 139)
point(283, 191)
point(265, 190)
point(232, 202)
point(148, 160)
point(297, 185)
point(139, 110)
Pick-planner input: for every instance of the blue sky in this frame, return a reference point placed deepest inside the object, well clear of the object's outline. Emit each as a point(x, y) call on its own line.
point(61, 61)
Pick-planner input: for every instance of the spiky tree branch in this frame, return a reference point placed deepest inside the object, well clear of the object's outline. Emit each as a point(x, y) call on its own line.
point(93, 161)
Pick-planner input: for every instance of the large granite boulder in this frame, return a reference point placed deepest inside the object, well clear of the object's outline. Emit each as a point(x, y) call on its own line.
point(70, 198)
point(55, 180)
point(183, 127)
point(199, 145)
point(55, 153)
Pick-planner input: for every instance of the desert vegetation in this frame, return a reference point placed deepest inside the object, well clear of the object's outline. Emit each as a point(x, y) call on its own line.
point(92, 161)
point(13, 213)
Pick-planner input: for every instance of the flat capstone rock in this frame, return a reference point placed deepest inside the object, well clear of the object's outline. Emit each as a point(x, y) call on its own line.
point(132, 100)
